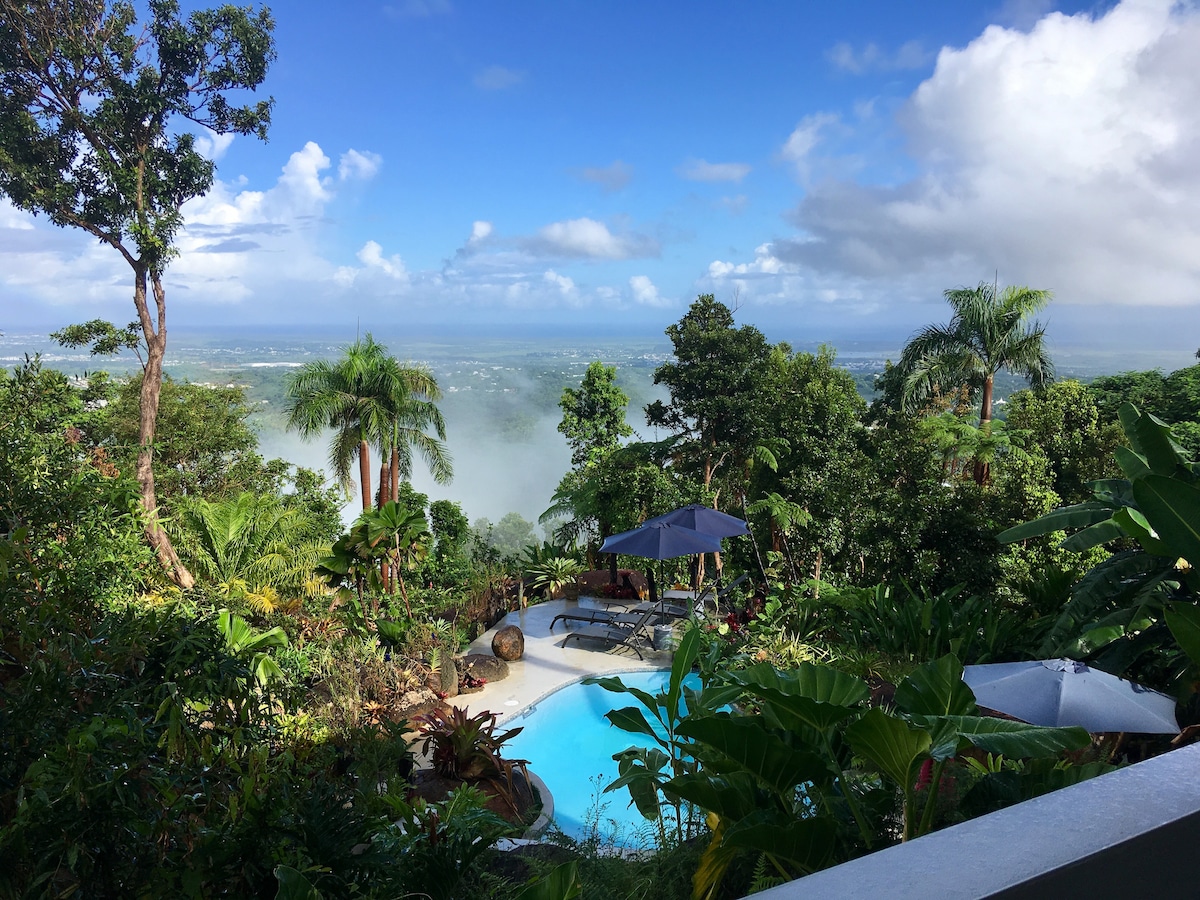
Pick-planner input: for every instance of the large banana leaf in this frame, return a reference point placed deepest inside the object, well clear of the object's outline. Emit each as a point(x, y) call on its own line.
point(805, 843)
point(631, 719)
point(1080, 515)
point(1151, 439)
point(896, 749)
point(810, 680)
point(1184, 621)
point(1013, 739)
point(1096, 535)
point(1172, 507)
point(731, 796)
point(936, 689)
point(746, 741)
point(562, 883)
point(1138, 527)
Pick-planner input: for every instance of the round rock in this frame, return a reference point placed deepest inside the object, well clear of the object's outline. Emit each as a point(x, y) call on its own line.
point(480, 665)
point(509, 643)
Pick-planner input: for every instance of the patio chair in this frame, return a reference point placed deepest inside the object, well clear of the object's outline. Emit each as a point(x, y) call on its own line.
point(709, 594)
point(624, 619)
point(616, 636)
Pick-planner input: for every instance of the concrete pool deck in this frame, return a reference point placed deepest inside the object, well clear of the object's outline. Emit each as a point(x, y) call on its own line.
point(547, 665)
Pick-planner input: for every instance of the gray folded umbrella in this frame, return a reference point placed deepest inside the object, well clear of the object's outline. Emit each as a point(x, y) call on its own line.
point(1066, 692)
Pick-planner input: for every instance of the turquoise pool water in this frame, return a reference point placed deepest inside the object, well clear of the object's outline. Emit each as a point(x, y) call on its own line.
point(569, 745)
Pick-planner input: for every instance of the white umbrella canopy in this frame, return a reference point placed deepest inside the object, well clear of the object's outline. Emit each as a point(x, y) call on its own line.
point(1058, 692)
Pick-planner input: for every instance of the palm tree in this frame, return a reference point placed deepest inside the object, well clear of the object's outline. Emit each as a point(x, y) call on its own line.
point(344, 395)
point(409, 395)
point(989, 331)
point(249, 548)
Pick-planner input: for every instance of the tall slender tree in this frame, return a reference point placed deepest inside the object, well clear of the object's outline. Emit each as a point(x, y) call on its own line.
point(989, 331)
point(94, 115)
point(344, 396)
point(409, 396)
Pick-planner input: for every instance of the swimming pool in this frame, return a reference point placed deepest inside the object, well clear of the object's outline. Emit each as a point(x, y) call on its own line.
point(569, 745)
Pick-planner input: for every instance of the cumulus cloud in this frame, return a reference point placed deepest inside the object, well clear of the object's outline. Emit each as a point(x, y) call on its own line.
point(873, 58)
point(1065, 157)
point(702, 170)
point(803, 140)
point(645, 293)
point(612, 177)
point(358, 165)
point(565, 285)
point(211, 145)
point(588, 239)
point(497, 78)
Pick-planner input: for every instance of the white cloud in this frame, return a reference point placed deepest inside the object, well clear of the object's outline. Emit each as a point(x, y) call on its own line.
point(360, 165)
point(565, 285)
point(613, 177)
point(497, 78)
point(211, 145)
point(645, 293)
point(588, 239)
point(873, 58)
point(803, 140)
point(702, 170)
point(1065, 157)
point(371, 256)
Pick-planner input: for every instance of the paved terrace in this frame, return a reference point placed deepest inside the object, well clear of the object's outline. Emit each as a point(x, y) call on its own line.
point(547, 665)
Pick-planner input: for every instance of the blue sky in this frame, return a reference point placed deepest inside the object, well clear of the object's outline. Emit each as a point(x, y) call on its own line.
point(830, 168)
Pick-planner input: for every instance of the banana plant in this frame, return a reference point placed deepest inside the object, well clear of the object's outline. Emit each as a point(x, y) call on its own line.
point(810, 773)
point(1124, 604)
point(243, 640)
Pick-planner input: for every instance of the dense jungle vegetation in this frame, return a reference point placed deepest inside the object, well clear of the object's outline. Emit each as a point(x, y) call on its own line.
point(229, 738)
point(205, 677)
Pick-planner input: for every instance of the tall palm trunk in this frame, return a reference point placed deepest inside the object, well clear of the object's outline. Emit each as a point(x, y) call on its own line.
point(982, 472)
point(151, 390)
point(364, 472)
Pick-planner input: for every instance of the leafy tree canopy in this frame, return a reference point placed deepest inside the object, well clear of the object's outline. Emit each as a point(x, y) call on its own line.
point(594, 415)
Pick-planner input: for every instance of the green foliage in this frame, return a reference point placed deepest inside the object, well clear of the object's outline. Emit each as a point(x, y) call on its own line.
point(988, 332)
point(94, 111)
point(203, 444)
point(1116, 612)
point(250, 549)
point(468, 748)
point(716, 382)
point(593, 419)
point(104, 338)
point(551, 575)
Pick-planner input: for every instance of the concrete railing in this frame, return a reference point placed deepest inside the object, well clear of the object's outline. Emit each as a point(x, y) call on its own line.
point(1132, 833)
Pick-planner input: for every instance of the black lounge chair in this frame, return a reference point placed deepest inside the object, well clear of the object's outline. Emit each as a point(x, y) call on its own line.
point(679, 611)
point(615, 635)
point(611, 617)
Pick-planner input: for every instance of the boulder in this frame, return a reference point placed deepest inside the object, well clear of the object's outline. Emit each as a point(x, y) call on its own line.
point(509, 643)
point(414, 703)
point(480, 665)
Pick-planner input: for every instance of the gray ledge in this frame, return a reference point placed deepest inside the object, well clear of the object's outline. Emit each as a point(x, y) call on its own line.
point(1130, 833)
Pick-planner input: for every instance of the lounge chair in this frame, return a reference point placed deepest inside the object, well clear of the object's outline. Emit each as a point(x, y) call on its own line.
point(615, 635)
point(679, 611)
point(611, 617)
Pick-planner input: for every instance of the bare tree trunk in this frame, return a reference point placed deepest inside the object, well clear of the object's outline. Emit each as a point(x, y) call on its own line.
point(395, 474)
point(156, 349)
point(364, 472)
point(985, 416)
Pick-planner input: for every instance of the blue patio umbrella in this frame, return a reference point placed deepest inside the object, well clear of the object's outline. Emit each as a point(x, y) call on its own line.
point(1066, 692)
point(705, 520)
point(661, 540)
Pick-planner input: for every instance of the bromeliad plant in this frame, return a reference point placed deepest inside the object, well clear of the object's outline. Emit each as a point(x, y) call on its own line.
point(467, 748)
point(804, 772)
